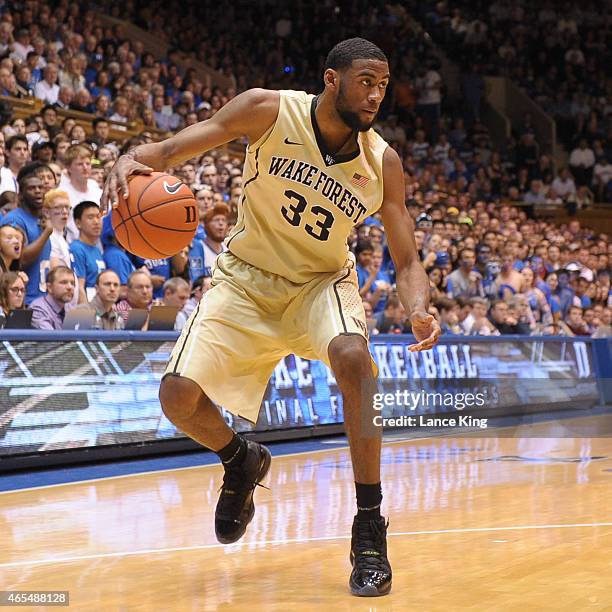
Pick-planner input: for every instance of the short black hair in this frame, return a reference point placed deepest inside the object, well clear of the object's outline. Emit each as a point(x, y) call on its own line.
point(198, 283)
point(345, 52)
point(98, 120)
point(81, 207)
point(363, 245)
point(32, 168)
point(27, 172)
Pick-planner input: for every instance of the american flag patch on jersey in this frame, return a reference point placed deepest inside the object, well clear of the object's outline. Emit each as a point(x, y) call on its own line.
point(359, 181)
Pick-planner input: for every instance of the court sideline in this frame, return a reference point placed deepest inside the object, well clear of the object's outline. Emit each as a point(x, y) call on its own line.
point(475, 523)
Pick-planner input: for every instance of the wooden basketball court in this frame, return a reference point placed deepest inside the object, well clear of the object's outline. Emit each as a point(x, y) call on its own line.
point(475, 524)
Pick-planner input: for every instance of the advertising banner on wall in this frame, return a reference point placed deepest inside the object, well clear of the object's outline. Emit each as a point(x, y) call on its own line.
point(89, 393)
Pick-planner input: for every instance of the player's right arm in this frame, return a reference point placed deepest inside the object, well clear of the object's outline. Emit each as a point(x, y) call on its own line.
point(249, 115)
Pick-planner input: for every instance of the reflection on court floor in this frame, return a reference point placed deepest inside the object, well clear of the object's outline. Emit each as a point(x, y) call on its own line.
point(478, 523)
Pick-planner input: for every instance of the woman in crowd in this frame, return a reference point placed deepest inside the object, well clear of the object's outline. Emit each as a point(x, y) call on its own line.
point(18, 125)
point(11, 247)
point(554, 301)
point(77, 134)
point(535, 298)
point(437, 284)
point(12, 294)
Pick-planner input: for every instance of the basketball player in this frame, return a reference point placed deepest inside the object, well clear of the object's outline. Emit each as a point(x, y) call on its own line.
point(287, 283)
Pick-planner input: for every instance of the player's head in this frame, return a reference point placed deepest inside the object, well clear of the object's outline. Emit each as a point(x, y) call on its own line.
point(357, 74)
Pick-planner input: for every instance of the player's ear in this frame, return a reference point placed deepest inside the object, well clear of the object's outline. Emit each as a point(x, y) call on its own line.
point(331, 79)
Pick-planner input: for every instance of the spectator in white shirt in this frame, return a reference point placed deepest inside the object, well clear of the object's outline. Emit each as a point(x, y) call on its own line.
point(564, 184)
point(420, 145)
point(582, 161)
point(428, 85)
point(602, 176)
point(18, 154)
point(442, 148)
point(56, 206)
point(21, 46)
point(64, 97)
point(48, 89)
point(7, 182)
point(77, 183)
point(120, 107)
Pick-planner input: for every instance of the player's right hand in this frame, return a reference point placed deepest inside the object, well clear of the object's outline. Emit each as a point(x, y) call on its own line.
point(117, 181)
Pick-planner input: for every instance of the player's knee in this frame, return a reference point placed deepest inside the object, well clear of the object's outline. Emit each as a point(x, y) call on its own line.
point(349, 356)
point(179, 397)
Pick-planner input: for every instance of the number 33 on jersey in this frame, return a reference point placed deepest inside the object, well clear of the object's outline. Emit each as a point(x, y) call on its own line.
point(300, 202)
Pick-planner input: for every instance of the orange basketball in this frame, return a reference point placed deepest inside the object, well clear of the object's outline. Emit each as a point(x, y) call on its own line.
point(158, 218)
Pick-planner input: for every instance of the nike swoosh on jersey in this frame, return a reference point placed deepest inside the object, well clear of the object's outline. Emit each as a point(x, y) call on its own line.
point(172, 189)
point(287, 141)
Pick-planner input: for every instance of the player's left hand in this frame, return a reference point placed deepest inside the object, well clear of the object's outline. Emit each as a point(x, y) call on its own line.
point(425, 329)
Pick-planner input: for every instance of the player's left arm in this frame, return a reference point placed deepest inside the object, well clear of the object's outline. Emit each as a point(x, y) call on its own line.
point(411, 279)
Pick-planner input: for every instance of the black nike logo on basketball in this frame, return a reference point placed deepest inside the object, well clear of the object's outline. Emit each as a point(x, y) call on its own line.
point(172, 189)
point(287, 141)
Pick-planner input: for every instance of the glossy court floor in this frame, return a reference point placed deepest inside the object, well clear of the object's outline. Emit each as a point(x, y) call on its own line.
point(497, 523)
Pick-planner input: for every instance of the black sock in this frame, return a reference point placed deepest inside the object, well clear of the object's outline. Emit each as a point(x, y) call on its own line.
point(234, 452)
point(369, 498)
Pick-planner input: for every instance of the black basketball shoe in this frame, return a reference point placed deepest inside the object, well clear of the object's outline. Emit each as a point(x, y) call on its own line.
point(371, 575)
point(235, 508)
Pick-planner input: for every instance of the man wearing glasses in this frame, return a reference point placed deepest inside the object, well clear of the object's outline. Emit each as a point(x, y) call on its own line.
point(56, 207)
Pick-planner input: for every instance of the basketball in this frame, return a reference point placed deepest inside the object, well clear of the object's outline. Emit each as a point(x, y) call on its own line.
point(158, 218)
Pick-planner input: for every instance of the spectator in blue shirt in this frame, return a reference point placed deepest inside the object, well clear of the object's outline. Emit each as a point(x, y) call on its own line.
point(37, 228)
point(382, 284)
point(203, 253)
point(563, 291)
point(582, 286)
point(88, 259)
point(115, 257)
point(365, 275)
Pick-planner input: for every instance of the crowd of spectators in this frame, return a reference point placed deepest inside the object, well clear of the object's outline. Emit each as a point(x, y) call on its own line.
point(559, 53)
point(493, 268)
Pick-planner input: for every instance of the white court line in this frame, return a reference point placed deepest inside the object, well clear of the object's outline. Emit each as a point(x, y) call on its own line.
point(188, 467)
point(152, 551)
